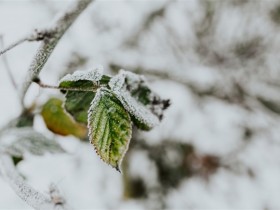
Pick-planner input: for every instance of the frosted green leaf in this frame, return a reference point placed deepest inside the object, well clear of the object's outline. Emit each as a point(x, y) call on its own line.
point(145, 107)
point(77, 103)
point(110, 127)
point(93, 75)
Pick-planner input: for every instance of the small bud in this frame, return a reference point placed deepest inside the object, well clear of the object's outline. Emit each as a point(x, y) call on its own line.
point(36, 80)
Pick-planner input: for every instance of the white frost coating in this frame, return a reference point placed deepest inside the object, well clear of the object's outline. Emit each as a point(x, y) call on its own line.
point(119, 86)
point(117, 82)
point(96, 99)
point(19, 141)
point(35, 199)
point(94, 75)
point(133, 80)
point(27, 193)
point(139, 111)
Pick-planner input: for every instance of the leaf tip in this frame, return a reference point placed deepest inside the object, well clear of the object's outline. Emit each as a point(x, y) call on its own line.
point(118, 168)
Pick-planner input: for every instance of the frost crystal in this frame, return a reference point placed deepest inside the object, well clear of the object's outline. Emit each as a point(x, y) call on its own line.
point(94, 75)
point(138, 110)
point(123, 85)
point(117, 82)
point(128, 79)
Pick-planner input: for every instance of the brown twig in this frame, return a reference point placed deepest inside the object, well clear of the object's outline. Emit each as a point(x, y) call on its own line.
point(93, 88)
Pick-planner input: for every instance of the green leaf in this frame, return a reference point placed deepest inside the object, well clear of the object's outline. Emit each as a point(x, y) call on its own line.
point(60, 122)
point(77, 103)
point(145, 107)
point(110, 127)
point(93, 76)
point(109, 112)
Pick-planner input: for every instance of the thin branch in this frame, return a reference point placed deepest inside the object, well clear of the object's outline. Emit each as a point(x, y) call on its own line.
point(14, 44)
point(36, 35)
point(32, 197)
point(57, 29)
point(163, 74)
point(50, 38)
point(93, 88)
point(146, 24)
point(6, 64)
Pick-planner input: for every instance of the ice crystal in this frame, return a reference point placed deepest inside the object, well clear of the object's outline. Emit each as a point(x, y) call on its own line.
point(139, 111)
point(94, 75)
point(137, 98)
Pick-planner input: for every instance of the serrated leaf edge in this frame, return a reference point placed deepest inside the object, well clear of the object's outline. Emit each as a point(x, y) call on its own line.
point(92, 104)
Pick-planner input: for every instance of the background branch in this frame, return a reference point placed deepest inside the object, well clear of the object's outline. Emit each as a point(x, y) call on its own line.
point(14, 44)
point(36, 35)
point(32, 197)
point(6, 64)
point(49, 37)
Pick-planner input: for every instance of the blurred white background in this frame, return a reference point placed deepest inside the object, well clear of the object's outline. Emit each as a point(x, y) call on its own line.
point(218, 146)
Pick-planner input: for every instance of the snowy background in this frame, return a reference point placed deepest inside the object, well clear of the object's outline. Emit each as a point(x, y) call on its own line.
point(218, 146)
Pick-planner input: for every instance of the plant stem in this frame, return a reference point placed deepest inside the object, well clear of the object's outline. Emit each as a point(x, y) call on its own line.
point(11, 46)
point(57, 30)
point(50, 37)
point(32, 197)
point(6, 64)
point(92, 89)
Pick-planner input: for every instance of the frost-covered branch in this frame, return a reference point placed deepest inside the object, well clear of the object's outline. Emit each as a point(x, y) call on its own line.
point(27, 193)
point(49, 37)
point(7, 67)
point(12, 45)
point(36, 35)
point(55, 32)
point(8, 171)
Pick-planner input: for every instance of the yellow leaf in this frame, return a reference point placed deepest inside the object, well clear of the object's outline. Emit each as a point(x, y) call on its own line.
point(59, 122)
